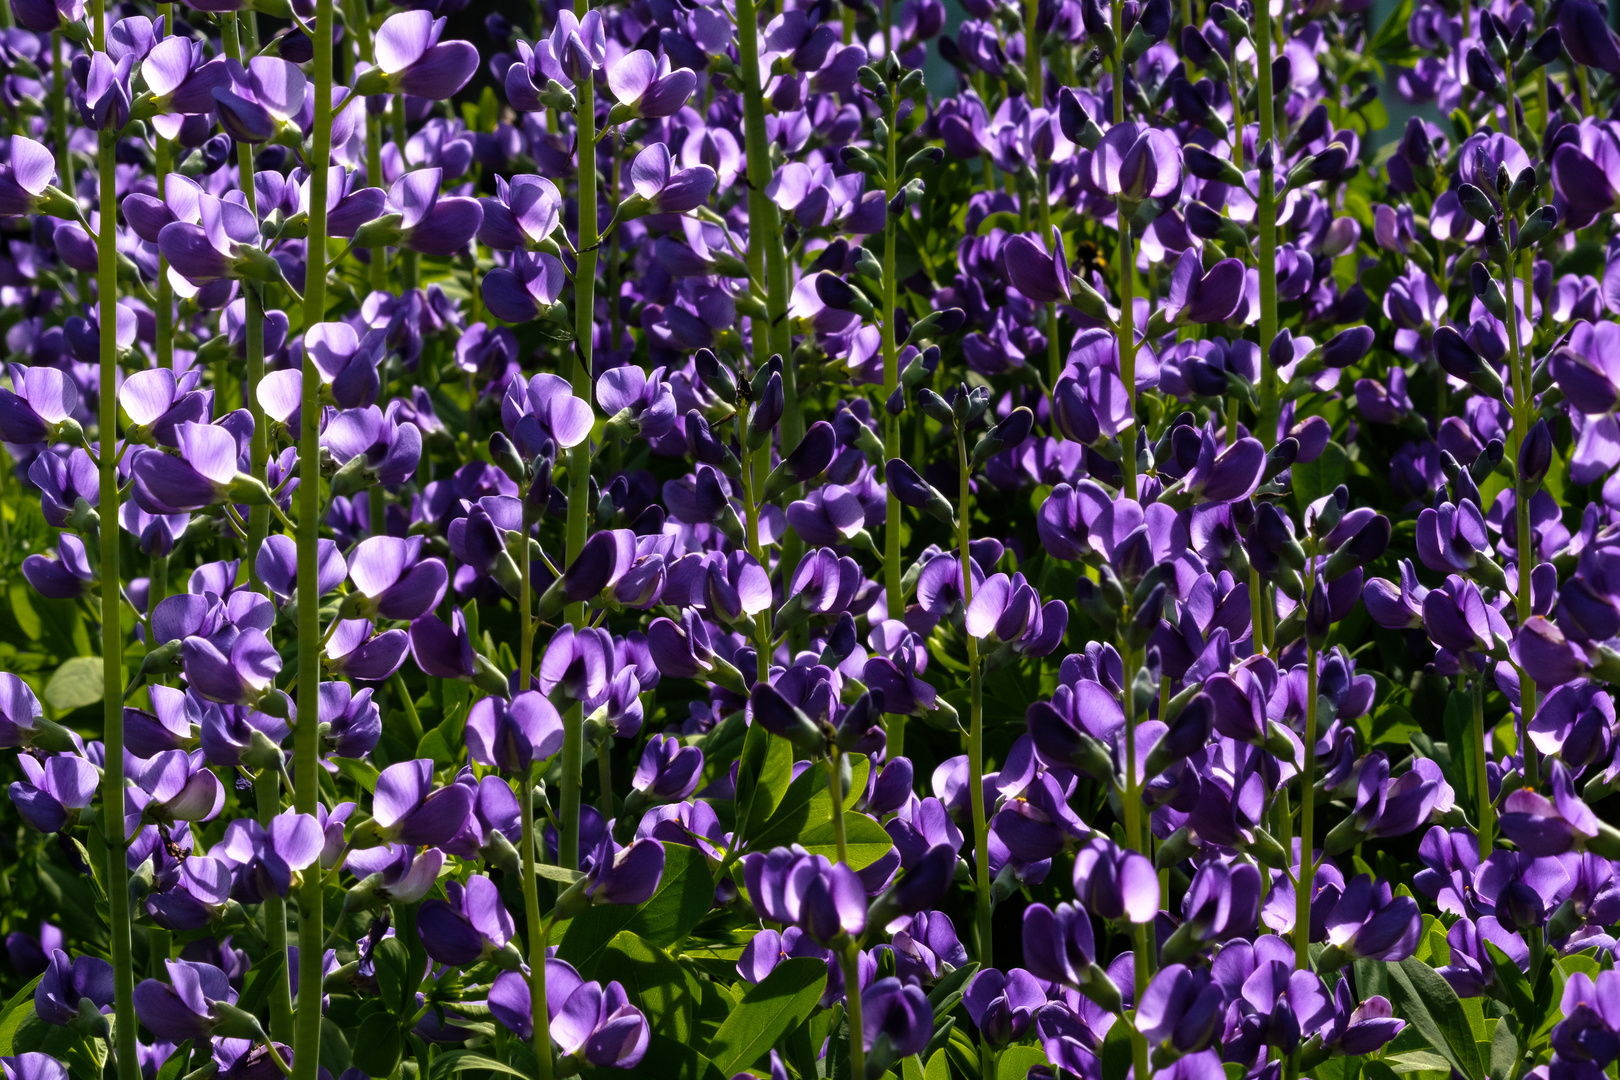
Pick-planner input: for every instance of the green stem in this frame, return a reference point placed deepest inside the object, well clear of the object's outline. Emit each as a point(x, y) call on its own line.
point(1127, 346)
point(1267, 216)
point(579, 462)
point(892, 575)
point(1485, 814)
point(267, 796)
point(1523, 417)
point(1305, 885)
point(835, 791)
point(306, 737)
point(1032, 56)
point(536, 934)
point(849, 958)
point(981, 831)
point(64, 157)
point(407, 257)
point(112, 633)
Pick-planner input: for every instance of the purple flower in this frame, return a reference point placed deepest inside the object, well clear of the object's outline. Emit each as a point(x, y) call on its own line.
point(69, 986)
point(663, 189)
point(647, 87)
point(429, 223)
point(55, 791)
point(791, 886)
point(394, 579)
point(668, 770)
point(512, 736)
point(39, 406)
point(408, 809)
point(1002, 1006)
point(416, 62)
point(186, 1007)
point(593, 1023)
point(472, 925)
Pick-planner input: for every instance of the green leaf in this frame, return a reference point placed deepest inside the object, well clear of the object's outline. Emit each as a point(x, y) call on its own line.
point(393, 978)
point(684, 896)
point(1511, 979)
point(1315, 479)
point(260, 980)
point(23, 611)
point(463, 1060)
point(939, 1067)
point(84, 1057)
point(865, 841)
point(557, 873)
point(1504, 1051)
point(1428, 1001)
point(17, 1009)
point(1417, 1061)
point(806, 805)
point(948, 990)
point(1015, 1062)
point(77, 683)
point(377, 1045)
point(1116, 1052)
point(764, 777)
point(361, 772)
point(770, 1009)
point(670, 1059)
point(175, 1063)
point(658, 985)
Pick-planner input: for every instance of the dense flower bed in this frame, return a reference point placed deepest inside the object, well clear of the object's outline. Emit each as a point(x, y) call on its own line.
point(672, 545)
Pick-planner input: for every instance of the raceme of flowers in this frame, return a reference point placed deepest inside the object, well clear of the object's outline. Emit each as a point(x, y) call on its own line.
point(679, 544)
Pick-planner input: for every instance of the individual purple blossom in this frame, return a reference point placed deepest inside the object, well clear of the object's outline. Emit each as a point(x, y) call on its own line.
point(64, 577)
point(793, 887)
point(416, 62)
point(512, 736)
point(587, 1021)
point(429, 222)
point(471, 924)
point(394, 579)
point(70, 986)
point(55, 792)
point(39, 405)
point(187, 1006)
point(661, 188)
point(667, 769)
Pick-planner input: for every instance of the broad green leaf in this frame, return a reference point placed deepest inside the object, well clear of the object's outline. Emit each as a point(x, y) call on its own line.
point(84, 1057)
point(377, 1045)
point(684, 896)
point(463, 1060)
point(557, 873)
point(17, 1009)
point(1504, 1051)
point(806, 805)
point(1511, 979)
point(948, 990)
point(669, 1059)
point(1425, 998)
point(260, 980)
point(865, 841)
point(1015, 1061)
point(361, 772)
point(657, 984)
point(764, 777)
point(175, 1063)
point(23, 610)
point(77, 683)
point(939, 1067)
point(1315, 479)
point(1417, 1061)
point(769, 1010)
point(1116, 1052)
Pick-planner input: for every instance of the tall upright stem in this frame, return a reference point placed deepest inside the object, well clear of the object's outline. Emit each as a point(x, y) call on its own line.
point(894, 591)
point(579, 462)
point(981, 831)
point(306, 737)
point(1131, 805)
point(1036, 90)
point(1485, 813)
point(1267, 216)
point(112, 633)
point(252, 315)
point(165, 290)
point(1127, 345)
point(849, 959)
point(267, 797)
point(1306, 883)
point(535, 935)
point(64, 157)
point(767, 254)
point(408, 262)
point(1523, 417)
